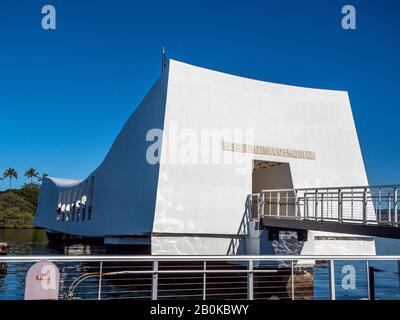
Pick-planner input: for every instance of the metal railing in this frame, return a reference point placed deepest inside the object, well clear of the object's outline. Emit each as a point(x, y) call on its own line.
point(212, 277)
point(358, 204)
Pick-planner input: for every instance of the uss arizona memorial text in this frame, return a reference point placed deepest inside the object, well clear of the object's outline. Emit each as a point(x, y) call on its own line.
point(270, 151)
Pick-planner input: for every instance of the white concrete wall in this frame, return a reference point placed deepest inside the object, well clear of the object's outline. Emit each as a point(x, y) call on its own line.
point(185, 245)
point(209, 199)
point(125, 184)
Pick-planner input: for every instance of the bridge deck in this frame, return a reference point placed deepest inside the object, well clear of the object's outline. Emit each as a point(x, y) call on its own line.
point(366, 210)
point(385, 231)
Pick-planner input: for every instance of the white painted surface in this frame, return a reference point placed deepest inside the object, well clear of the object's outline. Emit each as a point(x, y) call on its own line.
point(125, 184)
point(194, 198)
point(337, 247)
point(189, 245)
point(133, 197)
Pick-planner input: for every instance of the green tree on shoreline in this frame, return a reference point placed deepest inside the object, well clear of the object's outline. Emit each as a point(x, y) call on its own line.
point(31, 173)
point(17, 207)
point(10, 173)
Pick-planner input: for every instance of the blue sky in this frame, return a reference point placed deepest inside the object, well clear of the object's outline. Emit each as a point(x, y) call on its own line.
point(66, 93)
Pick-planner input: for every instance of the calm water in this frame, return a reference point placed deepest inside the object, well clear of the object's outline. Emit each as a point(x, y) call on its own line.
point(34, 242)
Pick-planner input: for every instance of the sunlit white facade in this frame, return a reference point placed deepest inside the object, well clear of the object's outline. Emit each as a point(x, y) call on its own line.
point(192, 200)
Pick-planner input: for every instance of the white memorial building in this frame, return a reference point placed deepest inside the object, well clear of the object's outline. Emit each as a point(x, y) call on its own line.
point(177, 177)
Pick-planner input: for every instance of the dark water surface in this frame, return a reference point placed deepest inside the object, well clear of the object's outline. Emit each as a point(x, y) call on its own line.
point(34, 242)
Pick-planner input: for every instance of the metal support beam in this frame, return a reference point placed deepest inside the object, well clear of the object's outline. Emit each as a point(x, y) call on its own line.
point(250, 284)
point(261, 201)
point(332, 279)
point(395, 206)
point(287, 204)
point(340, 206)
point(365, 206)
point(305, 205)
point(278, 203)
point(204, 280)
point(292, 264)
point(100, 280)
point(322, 207)
point(154, 284)
point(371, 282)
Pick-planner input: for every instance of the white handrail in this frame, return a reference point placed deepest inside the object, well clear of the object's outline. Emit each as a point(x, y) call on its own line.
point(152, 271)
point(389, 186)
point(122, 258)
point(370, 205)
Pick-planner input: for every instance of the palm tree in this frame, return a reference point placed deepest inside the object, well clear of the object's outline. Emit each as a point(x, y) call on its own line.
point(10, 173)
point(31, 173)
point(44, 175)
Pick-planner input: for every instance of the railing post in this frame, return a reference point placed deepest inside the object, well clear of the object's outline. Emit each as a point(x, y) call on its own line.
point(380, 205)
point(270, 203)
point(292, 280)
point(389, 209)
point(204, 279)
point(340, 211)
point(250, 284)
point(316, 205)
point(287, 204)
point(398, 272)
point(154, 284)
point(261, 200)
point(278, 203)
point(365, 206)
point(305, 205)
point(296, 203)
point(395, 205)
point(262, 213)
point(370, 281)
point(352, 203)
point(322, 206)
point(332, 279)
point(100, 280)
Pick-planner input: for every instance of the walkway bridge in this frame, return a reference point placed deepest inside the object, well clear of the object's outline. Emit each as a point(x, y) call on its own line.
point(365, 210)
